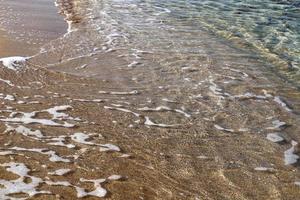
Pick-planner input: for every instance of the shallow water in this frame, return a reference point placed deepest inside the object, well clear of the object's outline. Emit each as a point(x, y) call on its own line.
point(146, 41)
point(270, 29)
point(160, 97)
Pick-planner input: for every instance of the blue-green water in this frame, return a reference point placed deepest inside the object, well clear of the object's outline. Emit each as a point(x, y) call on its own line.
point(269, 28)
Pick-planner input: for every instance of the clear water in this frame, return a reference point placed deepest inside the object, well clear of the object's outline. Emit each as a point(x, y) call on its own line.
point(270, 28)
point(180, 44)
point(191, 88)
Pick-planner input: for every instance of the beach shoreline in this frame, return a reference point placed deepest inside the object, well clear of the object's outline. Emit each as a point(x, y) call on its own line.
point(85, 117)
point(29, 27)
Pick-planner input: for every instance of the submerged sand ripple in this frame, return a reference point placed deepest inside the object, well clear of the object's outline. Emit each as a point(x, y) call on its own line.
point(167, 124)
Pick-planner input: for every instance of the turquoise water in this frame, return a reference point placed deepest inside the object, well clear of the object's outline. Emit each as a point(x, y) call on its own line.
point(269, 28)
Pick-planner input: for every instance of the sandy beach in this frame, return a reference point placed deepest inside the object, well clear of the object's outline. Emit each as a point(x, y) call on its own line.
point(84, 117)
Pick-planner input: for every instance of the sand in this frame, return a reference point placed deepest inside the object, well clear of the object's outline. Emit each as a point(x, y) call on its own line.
point(92, 133)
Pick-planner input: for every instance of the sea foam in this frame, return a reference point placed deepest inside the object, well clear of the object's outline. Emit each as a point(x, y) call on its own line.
point(13, 63)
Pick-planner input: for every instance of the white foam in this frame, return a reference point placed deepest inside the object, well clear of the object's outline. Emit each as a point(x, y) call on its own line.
point(109, 147)
point(249, 95)
point(169, 101)
point(202, 157)
point(82, 66)
point(282, 104)
point(59, 183)
point(9, 97)
point(57, 111)
point(34, 102)
point(98, 191)
point(13, 63)
point(117, 105)
point(290, 157)
point(223, 129)
point(114, 177)
point(60, 141)
point(81, 138)
point(28, 118)
point(53, 156)
point(133, 64)
point(122, 109)
point(275, 137)
point(264, 169)
point(134, 92)
point(245, 75)
point(218, 92)
point(278, 124)
point(81, 192)
point(215, 89)
point(60, 172)
point(37, 135)
point(19, 185)
point(164, 108)
point(8, 82)
point(5, 153)
point(86, 100)
point(39, 96)
point(190, 69)
point(148, 122)
point(25, 131)
point(125, 156)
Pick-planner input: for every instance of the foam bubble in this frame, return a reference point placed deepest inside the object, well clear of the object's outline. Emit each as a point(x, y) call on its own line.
point(264, 169)
point(8, 82)
point(28, 118)
point(19, 185)
point(114, 177)
point(109, 147)
point(164, 108)
point(134, 92)
point(81, 138)
point(9, 97)
point(98, 191)
point(282, 104)
point(25, 131)
point(148, 122)
point(60, 172)
point(223, 129)
point(122, 109)
point(60, 141)
point(13, 63)
point(290, 157)
point(275, 137)
point(53, 156)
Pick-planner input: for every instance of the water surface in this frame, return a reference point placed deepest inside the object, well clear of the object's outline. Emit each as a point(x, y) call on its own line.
point(199, 102)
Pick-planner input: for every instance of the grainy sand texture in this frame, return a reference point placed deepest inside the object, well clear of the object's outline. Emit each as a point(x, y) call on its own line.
point(89, 112)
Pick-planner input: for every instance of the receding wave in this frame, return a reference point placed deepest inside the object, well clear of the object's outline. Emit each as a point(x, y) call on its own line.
point(153, 99)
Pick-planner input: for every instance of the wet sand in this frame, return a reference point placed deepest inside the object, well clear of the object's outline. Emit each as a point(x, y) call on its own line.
point(27, 25)
point(102, 122)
